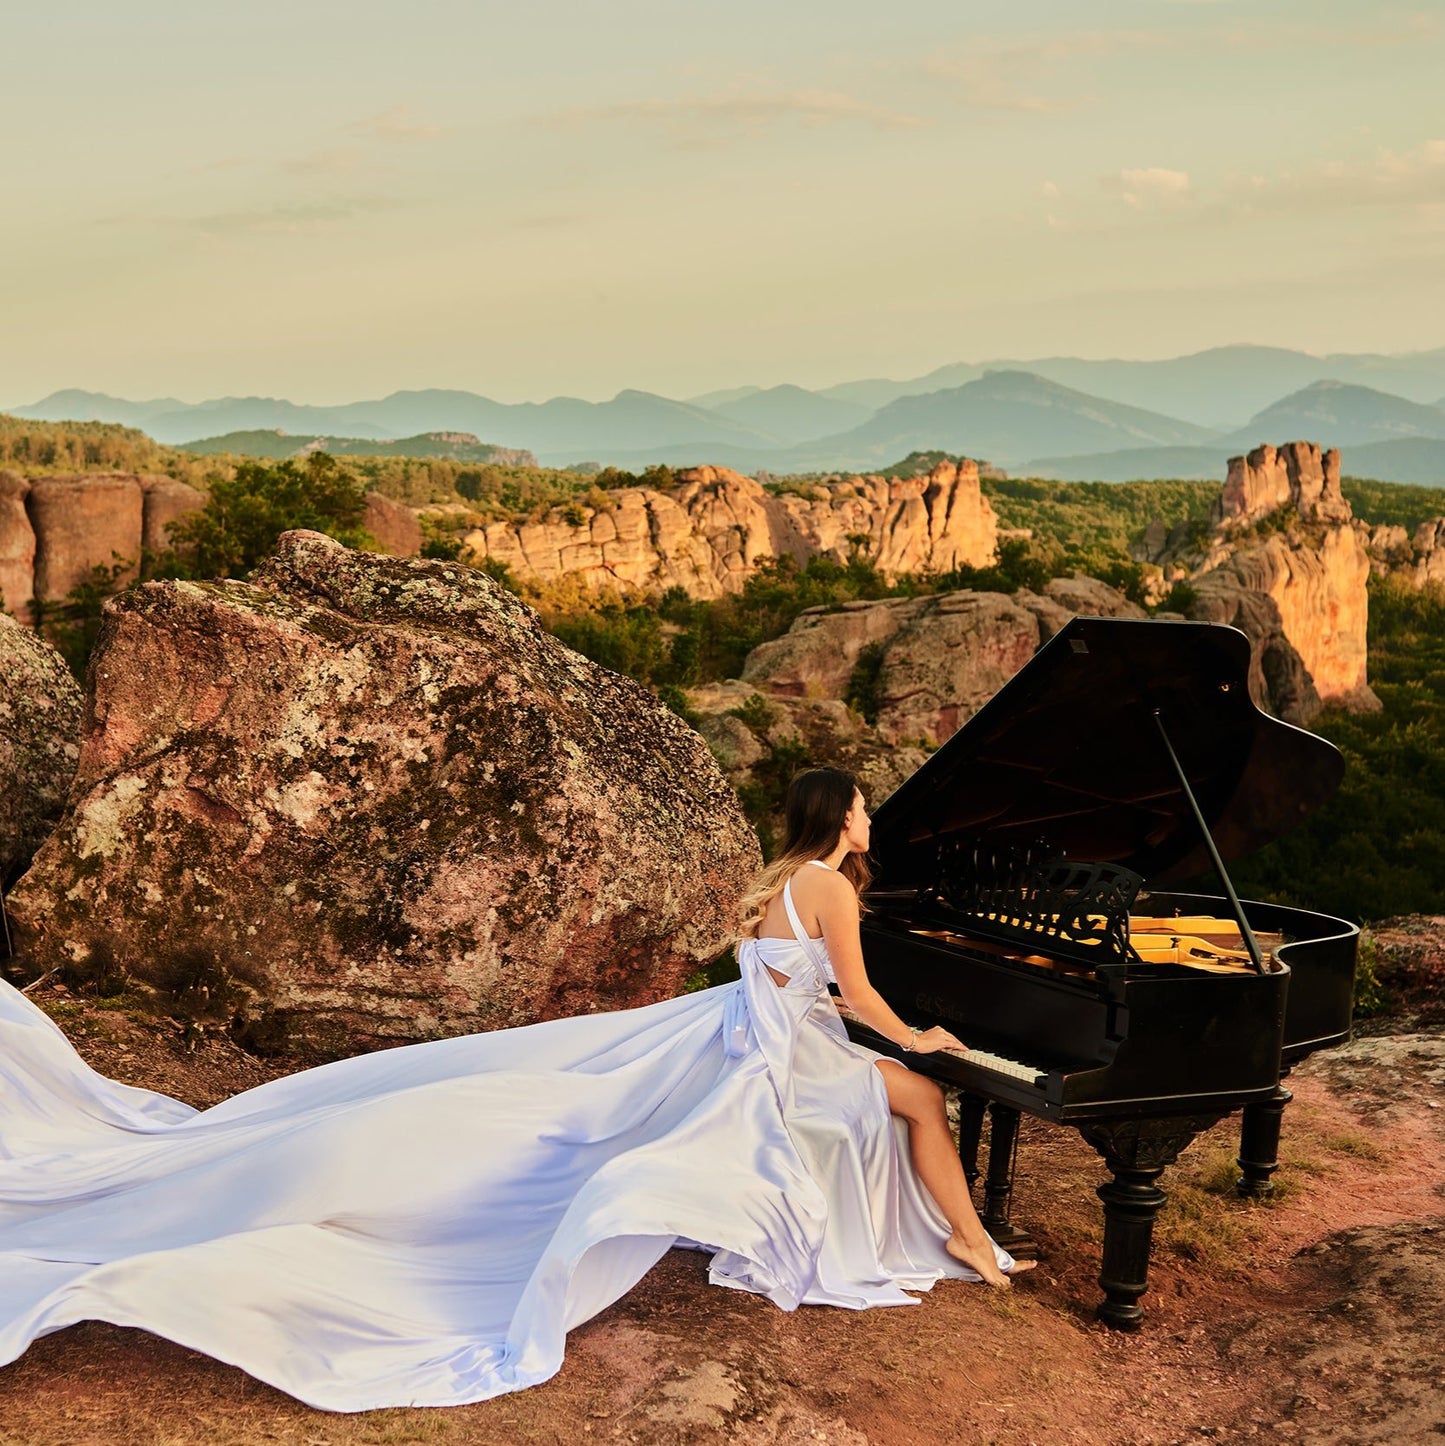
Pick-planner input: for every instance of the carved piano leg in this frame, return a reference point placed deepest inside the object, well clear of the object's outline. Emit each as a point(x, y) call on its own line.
point(998, 1185)
point(1259, 1144)
point(1136, 1152)
point(970, 1128)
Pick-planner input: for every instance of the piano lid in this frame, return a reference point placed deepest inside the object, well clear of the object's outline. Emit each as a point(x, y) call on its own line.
point(1067, 752)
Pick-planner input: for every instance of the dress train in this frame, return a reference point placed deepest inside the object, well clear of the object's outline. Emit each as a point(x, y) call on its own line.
point(423, 1225)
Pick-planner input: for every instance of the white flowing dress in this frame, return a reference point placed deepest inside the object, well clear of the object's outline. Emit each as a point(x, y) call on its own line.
point(423, 1225)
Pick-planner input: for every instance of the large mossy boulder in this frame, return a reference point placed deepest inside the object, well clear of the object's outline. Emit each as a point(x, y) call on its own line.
point(40, 711)
point(363, 799)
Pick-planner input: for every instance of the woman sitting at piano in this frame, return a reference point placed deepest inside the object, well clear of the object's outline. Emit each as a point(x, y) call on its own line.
point(423, 1225)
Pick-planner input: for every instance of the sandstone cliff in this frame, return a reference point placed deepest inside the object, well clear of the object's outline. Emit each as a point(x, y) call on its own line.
point(55, 530)
point(1419, 559)
point(366, 799)
point(913, 669)
point(708, 533)
point(1285, 561)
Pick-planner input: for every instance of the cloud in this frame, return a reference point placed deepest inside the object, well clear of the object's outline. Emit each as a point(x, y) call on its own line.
point(333, 161)
point(1412, 178)
point(1148, 185)
point(400, 123)
point(306, 218)
point(1028, 73)
point(725, 117)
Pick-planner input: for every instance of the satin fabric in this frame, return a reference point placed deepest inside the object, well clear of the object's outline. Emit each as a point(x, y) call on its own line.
point(422, 1226)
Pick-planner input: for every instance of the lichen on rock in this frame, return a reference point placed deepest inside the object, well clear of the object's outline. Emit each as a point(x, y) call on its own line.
point(40, 713)
point(379, 794)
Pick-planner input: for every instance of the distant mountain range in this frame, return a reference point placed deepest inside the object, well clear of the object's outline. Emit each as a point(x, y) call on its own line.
point(1054, 416)
point(278, 445)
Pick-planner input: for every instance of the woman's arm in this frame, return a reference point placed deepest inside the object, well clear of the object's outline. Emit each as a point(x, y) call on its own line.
point(838, 919)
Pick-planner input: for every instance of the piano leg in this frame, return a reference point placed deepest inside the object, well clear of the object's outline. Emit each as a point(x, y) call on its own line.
point(1136, 1152)
point(998, 1185)
point(1259, 1144)
point(970, 1128)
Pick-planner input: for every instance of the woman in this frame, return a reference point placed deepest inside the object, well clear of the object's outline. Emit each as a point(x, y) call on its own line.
point(422, 1226)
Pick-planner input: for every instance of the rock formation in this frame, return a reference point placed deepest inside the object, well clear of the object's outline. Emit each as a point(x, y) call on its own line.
point(1283, 532)
point(918, 667)
point(167, 499)
point(925, 664)
point(56, 530)
point(818, 730)
point(81, 523)
point(1297, 474)
point(708, 533)
point(17, 547)
point(1428, 562)
point(393, 524)
point(40, 713)
point(370, 799)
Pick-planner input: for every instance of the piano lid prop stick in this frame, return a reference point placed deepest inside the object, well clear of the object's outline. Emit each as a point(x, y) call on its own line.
point(1250, 942)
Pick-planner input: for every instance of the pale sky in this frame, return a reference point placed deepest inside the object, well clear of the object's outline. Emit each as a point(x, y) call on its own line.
point(329, 201)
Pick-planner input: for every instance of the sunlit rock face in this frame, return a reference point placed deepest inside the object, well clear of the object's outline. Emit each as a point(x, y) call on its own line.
point(1298, 474)
point(17, 547)
point(81, 523)
point(393, 524)
point(40, 711)
point(1427, 565)
point(1283, 531)
point(924, 665)
point(55, 531)
point(369, 799)
point(708, 534)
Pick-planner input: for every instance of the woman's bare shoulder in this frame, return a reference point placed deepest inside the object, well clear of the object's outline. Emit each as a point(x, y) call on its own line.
point(822, 887)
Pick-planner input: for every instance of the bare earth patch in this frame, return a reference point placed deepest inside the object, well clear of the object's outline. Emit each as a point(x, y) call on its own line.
point(1316, 1318)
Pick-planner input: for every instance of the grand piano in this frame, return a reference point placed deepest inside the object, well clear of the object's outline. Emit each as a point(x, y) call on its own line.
point(1022, 899)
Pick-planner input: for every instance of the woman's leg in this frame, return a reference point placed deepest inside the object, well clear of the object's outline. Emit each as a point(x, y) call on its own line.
point(920, 1102)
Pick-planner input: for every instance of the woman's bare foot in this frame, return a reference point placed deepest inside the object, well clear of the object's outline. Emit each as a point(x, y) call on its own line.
point(982, 1259)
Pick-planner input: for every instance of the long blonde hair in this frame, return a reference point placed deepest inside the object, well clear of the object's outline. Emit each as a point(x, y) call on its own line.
point(818, 799)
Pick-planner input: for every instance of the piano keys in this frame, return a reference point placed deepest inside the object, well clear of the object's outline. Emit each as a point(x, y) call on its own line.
point(1022, 900)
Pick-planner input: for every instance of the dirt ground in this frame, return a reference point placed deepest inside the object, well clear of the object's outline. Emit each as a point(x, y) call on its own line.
point(1316, 1318)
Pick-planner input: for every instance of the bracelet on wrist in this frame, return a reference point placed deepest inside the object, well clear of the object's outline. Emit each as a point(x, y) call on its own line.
point(913, 1032)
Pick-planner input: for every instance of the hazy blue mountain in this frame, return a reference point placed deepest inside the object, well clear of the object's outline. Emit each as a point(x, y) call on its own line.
point(563, 428)
point(1418, 460)
point(718, 399)
point(793, 415)
point(1337, 414)
point(454, 446)
point(1217, 388)
point(1004, 417)
point(875, 392)
point(74, 405)
point(1133, 464)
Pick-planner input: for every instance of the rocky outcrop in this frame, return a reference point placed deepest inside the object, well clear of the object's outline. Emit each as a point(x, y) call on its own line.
point(1282, 531)
point(1428, 560)
point(17, 547)
point(393, 525)
point(40, 713)
point(1418, 559)
point(365, 799)
point(82, 523)
point(927, 664)
point(1297, 474)
point(55, 531)
point(748, 730)
point(708, 534)
point(167, 500)
point(1279, 681)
